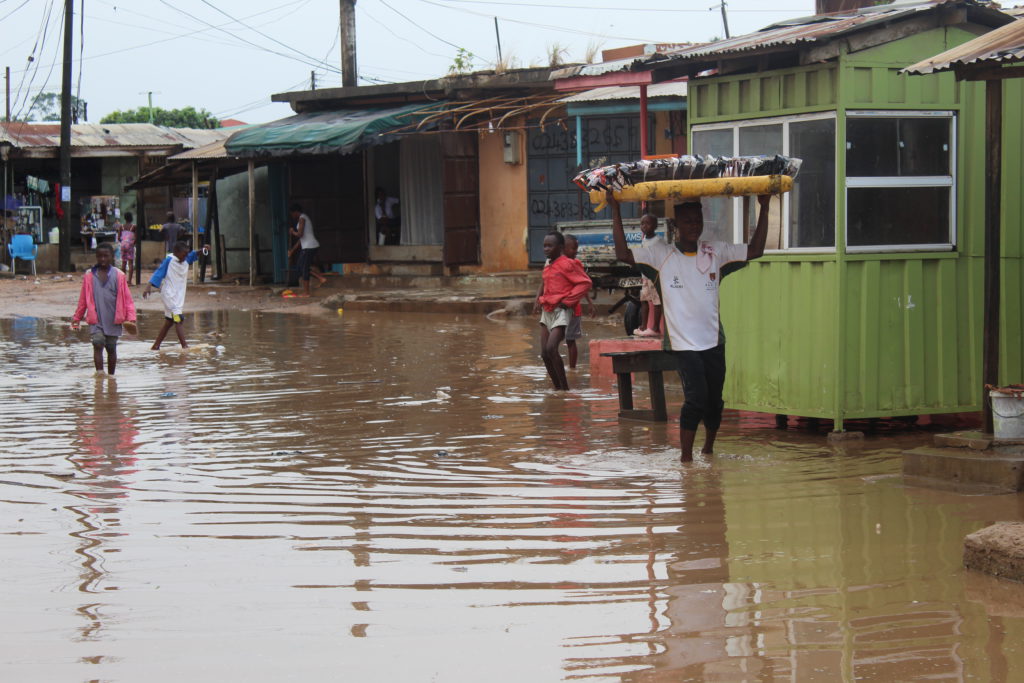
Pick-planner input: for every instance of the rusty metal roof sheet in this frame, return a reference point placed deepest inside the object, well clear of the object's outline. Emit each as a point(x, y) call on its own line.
point(1004, 44)
point(627, 92)
point(29, 135)
point(792, 33)
point(214, 150)
point(808, 29)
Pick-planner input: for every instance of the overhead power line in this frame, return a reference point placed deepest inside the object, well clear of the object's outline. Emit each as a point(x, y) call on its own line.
point(308, 61)
point(588, 7)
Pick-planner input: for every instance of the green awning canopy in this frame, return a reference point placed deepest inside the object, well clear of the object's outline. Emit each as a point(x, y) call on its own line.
point(324, 132)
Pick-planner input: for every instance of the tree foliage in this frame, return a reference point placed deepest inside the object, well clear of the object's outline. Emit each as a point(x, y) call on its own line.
point(46, 107)
point(186, 117)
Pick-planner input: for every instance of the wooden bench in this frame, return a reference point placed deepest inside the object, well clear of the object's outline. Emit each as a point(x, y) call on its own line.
point(653, 362)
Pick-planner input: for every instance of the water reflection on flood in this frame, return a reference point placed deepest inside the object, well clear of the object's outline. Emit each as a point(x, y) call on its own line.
point(391, 498)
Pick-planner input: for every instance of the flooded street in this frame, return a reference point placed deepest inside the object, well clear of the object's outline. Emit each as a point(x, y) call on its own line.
point(382, 497)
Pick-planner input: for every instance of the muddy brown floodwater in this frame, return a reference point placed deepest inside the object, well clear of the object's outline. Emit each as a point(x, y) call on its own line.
point(402, 498)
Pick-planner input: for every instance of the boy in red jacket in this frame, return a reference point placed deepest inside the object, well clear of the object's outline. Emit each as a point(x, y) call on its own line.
point(564, 284)
point(106, 304)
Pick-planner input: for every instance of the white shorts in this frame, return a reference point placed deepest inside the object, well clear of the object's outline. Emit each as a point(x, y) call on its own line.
point(556, 318)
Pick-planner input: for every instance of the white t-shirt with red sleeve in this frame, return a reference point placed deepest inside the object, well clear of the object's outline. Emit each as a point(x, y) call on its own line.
point(689, 289)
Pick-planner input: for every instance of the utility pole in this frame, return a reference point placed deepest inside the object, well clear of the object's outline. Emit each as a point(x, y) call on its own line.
point(64, 250)
point(150, 94)
point(497, 34)
point(349, 71)
point(7, 79)
point(725, 18)
point(312, 80)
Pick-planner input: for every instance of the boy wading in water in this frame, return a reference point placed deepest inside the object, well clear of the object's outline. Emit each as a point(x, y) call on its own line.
point(106, 304)
point(564, 283)
point(689, 274)
point(574, 330)
point(171, 279)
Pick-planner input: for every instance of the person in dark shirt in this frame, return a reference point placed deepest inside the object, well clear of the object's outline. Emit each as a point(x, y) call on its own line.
point(170, 232)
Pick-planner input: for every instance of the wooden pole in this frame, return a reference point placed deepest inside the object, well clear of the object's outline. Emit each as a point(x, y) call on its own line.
point(252, 223)
point(64, 248)
point(212, 228)
point(993, 214)
point(195, 215)
point(349, 70)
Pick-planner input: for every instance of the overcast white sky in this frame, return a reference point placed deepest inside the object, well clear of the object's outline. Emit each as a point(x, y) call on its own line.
point(228, 56)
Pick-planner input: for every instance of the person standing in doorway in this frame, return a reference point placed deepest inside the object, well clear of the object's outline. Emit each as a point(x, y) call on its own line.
point(689, 273)
point(307, 245)
point(385, 210)
point(170, 232)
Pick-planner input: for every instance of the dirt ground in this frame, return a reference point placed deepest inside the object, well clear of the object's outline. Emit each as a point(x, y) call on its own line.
point(55, 296)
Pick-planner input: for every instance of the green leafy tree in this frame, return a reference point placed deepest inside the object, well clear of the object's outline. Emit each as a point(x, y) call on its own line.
point(186, 117)
point(46, 107)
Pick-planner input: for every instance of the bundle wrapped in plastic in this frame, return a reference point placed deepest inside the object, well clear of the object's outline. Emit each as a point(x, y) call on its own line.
point(615, 177)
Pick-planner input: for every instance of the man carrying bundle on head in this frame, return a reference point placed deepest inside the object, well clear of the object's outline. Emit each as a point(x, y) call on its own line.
point(688, 274)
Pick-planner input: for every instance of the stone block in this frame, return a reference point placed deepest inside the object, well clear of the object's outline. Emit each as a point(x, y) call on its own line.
point(966, 469)
point(975, 440)
point(997, 550)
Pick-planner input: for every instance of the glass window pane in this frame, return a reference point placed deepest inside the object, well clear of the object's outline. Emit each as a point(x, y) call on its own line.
point(924, 146)
point(812, 207)
point(757, 140)
point(880, 216)
point(718, 211)
point(879, 146)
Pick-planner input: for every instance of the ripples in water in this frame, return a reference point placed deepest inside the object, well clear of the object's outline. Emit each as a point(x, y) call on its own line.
point(402, 498)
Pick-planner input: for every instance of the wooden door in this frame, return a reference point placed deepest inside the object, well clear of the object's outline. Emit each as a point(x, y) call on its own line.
point(461, 199)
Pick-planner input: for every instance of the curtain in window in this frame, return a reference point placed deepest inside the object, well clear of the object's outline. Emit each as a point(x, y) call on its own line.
point(421, 195)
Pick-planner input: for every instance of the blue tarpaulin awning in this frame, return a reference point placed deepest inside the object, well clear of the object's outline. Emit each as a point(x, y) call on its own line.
point(324, 132)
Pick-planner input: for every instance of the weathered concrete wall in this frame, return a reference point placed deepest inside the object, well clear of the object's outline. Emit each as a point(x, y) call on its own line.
point(233, 211)
point(503, 208)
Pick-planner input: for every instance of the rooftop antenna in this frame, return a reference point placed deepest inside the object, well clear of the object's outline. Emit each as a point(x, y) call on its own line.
point(150, 93)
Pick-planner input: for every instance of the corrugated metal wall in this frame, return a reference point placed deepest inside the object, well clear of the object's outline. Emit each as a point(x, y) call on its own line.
point(911, 324)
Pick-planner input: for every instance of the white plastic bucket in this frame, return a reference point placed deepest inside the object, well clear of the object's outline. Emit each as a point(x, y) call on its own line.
point(1007, 415)
point(55, 236)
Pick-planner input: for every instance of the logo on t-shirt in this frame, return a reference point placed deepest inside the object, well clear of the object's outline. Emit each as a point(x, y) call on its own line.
point(676, 284)
point(710, 285)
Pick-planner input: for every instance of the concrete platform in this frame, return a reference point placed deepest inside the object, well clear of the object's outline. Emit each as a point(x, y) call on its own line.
point(998, 470)
point(997, 550)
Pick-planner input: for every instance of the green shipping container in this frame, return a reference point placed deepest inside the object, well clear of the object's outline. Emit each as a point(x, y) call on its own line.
point(870, 302)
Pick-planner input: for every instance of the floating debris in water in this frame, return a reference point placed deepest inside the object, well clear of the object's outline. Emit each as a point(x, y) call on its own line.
point(442, 454)
point(168, 394)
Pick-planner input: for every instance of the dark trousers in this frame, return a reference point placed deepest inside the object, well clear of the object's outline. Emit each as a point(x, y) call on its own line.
point(703, 376)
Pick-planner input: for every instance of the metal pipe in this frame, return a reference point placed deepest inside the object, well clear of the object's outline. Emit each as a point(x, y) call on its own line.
point(643, 121)
point(252, 224)
point(993, 214)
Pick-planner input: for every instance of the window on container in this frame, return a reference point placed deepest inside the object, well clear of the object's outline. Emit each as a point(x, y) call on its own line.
point(812, 203)
point(718, 211)
point(899, 181)
point(763, 140)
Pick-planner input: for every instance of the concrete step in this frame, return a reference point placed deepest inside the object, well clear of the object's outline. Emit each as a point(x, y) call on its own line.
point(964, 469)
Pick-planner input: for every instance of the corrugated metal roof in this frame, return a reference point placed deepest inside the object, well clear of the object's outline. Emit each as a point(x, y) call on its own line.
point(35, 135)
point(627, 92)
point(214, 150)
point(1005, 44)
point(805, 30)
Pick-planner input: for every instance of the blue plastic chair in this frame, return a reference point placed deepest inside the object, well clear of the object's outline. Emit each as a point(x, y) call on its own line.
point(22, 247)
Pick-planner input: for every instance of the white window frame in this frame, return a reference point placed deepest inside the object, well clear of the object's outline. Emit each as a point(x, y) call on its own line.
point(738, 217)
point(906, 181)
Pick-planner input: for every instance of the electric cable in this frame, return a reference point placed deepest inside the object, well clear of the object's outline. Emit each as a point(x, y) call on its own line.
point(244, 40)
point(81, 49)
